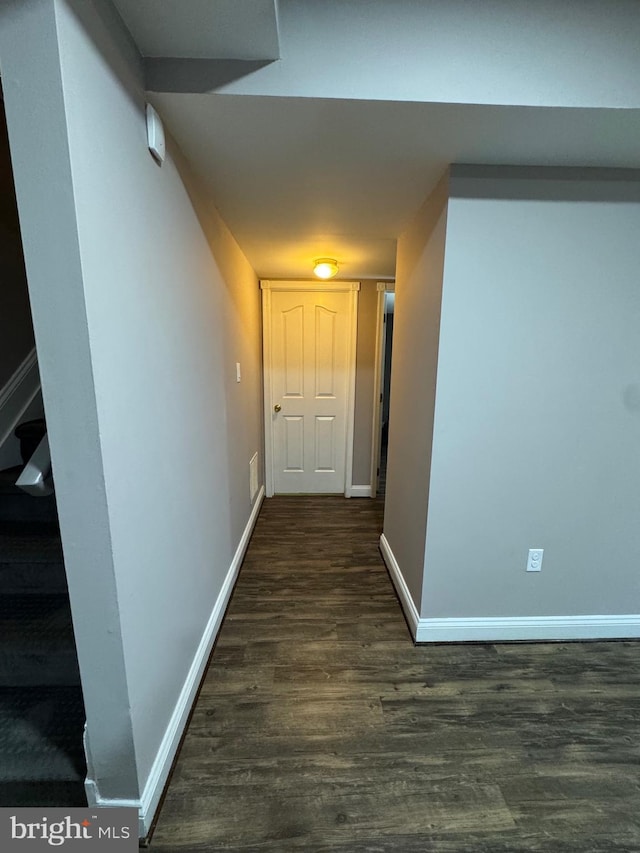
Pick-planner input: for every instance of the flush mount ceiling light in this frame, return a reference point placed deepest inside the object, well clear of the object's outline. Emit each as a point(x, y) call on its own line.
point(325, 267)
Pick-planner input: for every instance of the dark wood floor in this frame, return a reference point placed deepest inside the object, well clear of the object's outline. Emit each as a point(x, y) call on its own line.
point(320, 727)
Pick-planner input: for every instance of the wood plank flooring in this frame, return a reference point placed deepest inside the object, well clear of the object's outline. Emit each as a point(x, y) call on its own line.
point(320, 727)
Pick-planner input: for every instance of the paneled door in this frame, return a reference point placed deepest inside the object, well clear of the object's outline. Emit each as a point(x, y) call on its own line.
point(309, 359)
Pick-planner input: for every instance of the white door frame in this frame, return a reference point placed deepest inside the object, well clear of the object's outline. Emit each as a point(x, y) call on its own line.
point(267, 288)
point(378, 382)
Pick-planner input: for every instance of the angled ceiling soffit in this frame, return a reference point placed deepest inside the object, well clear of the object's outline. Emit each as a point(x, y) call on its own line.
point(197, 46)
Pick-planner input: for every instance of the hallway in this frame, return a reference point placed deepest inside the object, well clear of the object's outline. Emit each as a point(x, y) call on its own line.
point(320, 727)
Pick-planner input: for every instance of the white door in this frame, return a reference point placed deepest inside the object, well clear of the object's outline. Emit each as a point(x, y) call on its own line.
point(309, 378)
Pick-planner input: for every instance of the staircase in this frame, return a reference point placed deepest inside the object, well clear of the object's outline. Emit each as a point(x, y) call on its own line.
point(41, 708)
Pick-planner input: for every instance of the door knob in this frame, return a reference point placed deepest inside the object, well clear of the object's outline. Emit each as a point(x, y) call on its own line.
point(277, 407)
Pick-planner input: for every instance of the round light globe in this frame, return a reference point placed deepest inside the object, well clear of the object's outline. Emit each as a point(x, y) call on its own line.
point(325, 267)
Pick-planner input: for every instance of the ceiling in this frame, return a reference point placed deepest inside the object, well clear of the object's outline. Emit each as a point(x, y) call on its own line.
point(202, 29)
point(296, 178)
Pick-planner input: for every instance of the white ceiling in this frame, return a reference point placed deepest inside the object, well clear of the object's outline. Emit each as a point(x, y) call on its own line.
point(203, 29)
point(298, 178)
point(301, 177)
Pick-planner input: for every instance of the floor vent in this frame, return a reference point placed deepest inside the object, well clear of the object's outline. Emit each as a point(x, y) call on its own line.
point(253, 476)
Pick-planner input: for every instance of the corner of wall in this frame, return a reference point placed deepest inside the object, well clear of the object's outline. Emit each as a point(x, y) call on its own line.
point(420, 270)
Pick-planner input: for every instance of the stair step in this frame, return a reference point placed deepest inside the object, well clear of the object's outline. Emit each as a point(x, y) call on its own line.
point(40, 741)
point(19, 506)
point(41, 708)
point(37, 529)
point(16, 505)
point(24, 547)
point(31, 562)
point(33, 578)
point(38, 645)
point(43, 794)
point(8, 477)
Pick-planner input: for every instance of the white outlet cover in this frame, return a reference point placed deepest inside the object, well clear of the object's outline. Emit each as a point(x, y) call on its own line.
point(534, 560)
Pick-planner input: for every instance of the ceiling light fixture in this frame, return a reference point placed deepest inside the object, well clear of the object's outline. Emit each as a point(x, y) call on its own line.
point(325, 267)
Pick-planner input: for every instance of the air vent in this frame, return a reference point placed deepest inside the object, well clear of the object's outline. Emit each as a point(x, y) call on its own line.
point(253, 476)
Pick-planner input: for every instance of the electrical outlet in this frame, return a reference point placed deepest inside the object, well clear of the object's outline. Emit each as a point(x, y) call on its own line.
point(534, 561)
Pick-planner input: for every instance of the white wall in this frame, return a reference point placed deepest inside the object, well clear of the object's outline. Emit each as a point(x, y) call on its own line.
point(536, 441)
point(134, 310)
point(237, 320)
point(515, 405)
point(577, 53)
point(413, 384)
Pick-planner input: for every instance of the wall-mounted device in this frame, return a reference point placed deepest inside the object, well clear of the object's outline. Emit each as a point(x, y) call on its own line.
point(155, 135)
point(534, 560)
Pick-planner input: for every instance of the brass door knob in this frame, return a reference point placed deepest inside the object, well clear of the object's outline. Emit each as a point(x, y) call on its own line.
point(277, 407)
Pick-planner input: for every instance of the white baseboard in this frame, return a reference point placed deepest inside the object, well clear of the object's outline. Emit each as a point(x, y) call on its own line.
point(156, 781)
point(499, 629)
point(408, 605)
point(360, 491)
point(15, 399)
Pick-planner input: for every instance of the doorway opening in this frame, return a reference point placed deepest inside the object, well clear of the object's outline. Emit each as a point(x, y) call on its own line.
point(382, 383)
